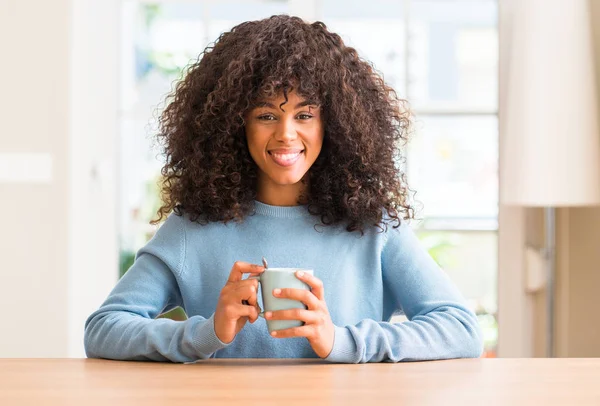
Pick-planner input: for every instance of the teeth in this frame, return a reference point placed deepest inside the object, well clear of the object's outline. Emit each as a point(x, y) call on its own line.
point(286, 157)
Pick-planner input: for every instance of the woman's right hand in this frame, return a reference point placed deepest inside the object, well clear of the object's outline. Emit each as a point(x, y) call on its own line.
point(237, 302)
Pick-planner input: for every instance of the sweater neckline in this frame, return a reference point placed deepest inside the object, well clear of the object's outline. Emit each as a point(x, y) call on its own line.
point(281, 211)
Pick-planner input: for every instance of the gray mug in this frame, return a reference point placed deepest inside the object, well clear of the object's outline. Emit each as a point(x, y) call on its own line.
point(280, 278)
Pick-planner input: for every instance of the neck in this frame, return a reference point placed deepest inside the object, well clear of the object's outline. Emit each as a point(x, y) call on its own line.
point(280, 195)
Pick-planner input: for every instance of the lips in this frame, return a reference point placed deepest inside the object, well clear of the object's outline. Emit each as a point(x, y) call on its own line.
point(285, 157)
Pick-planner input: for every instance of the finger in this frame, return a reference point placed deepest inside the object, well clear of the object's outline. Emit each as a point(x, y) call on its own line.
point(305, 296)
point(245, 282)
point(254, 314)
point(237, 311)
point(249, 311)
point(234, 289)
point(258, 310)
point(307, 316)
point(315, 284)
point(240, 268)
point(246, 292)
point(307, 331)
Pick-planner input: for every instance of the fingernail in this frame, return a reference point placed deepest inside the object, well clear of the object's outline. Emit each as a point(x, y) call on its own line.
point(276, 291)
point(300, 274)
point(274, 333)
point(268, 315)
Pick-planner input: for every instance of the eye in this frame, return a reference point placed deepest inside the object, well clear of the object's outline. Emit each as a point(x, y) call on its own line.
point(304, 116)
point(266, 117)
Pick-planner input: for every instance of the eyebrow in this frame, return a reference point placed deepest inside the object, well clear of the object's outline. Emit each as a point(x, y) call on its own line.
point(301, 104)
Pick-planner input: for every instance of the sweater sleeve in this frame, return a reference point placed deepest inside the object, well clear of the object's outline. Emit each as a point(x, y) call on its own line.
point(125, 326)
point(439, 326)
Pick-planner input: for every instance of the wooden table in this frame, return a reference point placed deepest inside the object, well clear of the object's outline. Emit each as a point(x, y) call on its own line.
point(537, 382)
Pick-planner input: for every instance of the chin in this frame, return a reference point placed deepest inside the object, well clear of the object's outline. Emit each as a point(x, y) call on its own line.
point(286, 180)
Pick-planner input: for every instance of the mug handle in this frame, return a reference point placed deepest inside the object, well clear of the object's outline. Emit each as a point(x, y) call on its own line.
point(262, 313)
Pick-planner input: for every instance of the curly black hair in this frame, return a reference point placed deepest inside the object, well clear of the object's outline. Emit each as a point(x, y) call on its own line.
point(209, 173)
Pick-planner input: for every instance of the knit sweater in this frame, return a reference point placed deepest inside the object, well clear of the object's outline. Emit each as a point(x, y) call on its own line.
point(367, 279)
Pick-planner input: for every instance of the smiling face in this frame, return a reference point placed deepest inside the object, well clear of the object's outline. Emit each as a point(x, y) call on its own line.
point(284, 142)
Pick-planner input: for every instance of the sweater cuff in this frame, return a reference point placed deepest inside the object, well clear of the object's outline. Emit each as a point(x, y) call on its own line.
point(205, 339)
point(344, 347)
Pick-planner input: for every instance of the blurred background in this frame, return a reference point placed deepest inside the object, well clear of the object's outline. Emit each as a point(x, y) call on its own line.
point(84, 81)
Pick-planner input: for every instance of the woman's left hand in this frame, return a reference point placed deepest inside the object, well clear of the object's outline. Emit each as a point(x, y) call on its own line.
point(318, 327)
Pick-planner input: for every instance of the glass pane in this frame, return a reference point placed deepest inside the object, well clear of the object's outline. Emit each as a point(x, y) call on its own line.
point(470, 259)
point(376, 29)
point(453, 55)
point(138, 188)
point(453, 167)
point(160, 39)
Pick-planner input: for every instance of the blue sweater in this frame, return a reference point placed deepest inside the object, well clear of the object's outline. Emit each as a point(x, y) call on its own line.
point(366, 280)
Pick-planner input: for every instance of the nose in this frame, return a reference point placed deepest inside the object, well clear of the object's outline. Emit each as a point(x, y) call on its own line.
point(286, 131)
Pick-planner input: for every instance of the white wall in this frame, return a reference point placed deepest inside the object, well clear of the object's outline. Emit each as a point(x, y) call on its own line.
point(34, 116)
point(35, 119)
point(58, 242)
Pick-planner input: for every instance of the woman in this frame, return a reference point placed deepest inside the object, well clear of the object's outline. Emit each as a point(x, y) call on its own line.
point(281, 142)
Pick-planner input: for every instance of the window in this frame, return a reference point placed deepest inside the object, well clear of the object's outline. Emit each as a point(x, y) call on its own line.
point(440, 55)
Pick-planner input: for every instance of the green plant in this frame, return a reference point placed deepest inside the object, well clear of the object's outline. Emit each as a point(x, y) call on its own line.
point(150, 11)
point(126, 259)
point(440, 245)
point(168, 64)
point(177, 314)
